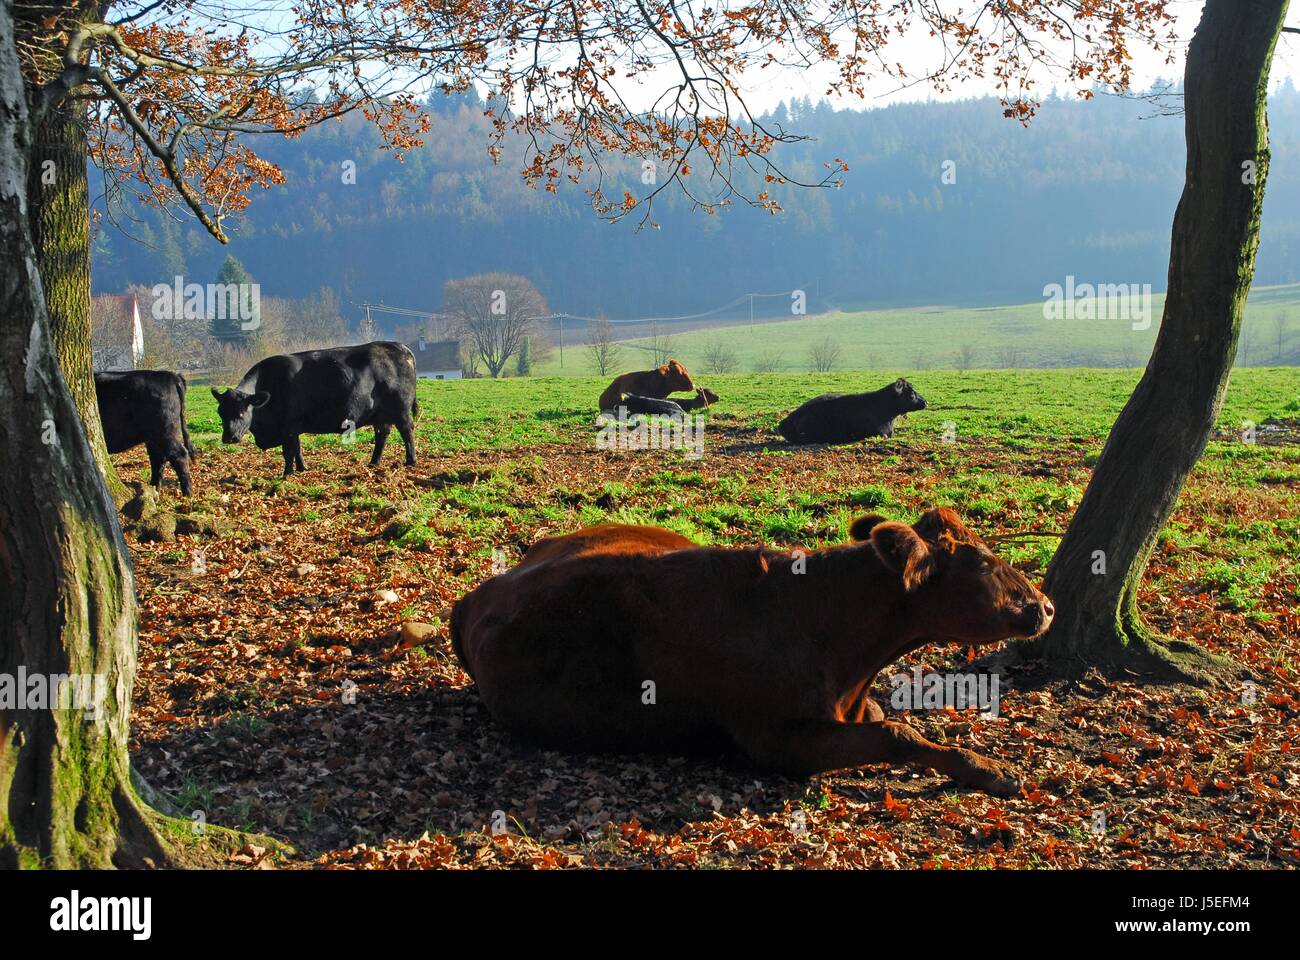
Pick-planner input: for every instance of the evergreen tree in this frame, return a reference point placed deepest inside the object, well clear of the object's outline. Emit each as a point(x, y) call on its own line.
point(238, 314)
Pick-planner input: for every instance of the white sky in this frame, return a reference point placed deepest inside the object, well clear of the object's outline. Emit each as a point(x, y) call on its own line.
point(765, 91)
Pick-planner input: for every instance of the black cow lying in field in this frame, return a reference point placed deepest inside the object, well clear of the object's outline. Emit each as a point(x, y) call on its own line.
point(672, 408)
point(323, 391)
point(147, 406)
point(704, 397)
point(650, 406)
point(849, 417)
point(633, 639)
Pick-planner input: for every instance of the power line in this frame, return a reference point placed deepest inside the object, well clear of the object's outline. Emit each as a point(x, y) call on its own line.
point(405, 312)
point(690, 316)
point(561, 316)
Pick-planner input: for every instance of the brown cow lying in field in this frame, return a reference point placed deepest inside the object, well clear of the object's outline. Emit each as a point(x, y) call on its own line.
point(656, 384)
point(629, 639)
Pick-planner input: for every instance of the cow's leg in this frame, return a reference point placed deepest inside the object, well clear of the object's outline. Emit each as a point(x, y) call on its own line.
point(180, 461)
point(156, 461)
point(382, 430)
point(291, 452)
point(818, 746)
point(297, 454)
point(407, 430)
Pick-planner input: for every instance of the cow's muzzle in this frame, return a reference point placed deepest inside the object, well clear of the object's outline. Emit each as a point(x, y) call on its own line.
point(1035, 618)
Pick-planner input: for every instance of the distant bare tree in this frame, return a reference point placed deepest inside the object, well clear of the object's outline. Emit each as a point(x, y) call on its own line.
point(229, 361)
point(662, 345)
point(824, 355)
point(316, 320)
point(603, 350)
point(965, 357)
point(769, 361)
point(1126, 355)
point(1009, 358)
point(1280, 324)
point(920, 360)
point(368, 329)
point(468, 362)
point(872, 360)
point(719, 358)
point(493, 313)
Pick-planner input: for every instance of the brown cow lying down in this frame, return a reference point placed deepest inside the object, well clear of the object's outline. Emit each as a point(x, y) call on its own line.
point(631, 639)
point(656, 384)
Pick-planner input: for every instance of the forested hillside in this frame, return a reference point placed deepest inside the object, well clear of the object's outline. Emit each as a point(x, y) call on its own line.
point(1087, 189)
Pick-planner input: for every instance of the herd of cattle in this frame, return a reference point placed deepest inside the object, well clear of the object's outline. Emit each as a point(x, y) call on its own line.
point(630, 638)
point(339, 390)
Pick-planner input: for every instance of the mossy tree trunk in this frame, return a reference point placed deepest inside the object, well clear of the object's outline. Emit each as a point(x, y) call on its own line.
point(1165, 425)
point(67, 601)
point(58, 199)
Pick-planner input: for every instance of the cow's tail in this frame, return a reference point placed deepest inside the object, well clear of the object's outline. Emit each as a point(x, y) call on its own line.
point(409, 357)
point(185, 426)
point(612, 397)
point(457, 615)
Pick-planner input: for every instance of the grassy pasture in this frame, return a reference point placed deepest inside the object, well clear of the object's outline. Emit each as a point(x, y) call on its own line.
point(912, 339)
point(238, 708)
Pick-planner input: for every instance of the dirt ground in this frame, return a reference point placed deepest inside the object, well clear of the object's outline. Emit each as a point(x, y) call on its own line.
point(274, 695)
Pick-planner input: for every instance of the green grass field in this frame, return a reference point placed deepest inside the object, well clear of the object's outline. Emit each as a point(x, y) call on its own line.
point(1017, 417)
point(1026, 406)
point(918, 338)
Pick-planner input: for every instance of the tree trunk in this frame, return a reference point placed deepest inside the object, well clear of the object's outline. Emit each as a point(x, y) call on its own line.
point(59, 202)
point(1165, 425)
point(67, 601)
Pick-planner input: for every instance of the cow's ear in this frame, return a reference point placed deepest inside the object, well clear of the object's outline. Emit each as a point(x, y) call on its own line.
point(217, 393)
point(862, 527)
point(900, 385)
point(261, 398)
point(902, 551)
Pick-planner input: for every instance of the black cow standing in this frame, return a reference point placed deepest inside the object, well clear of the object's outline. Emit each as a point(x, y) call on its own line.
point(323, 391)
point(849, 417)
point(147, 406)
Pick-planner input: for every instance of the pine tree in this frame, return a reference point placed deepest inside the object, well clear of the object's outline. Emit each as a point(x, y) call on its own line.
point(238, 316)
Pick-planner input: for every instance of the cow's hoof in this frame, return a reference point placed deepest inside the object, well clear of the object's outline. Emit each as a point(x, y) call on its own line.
point(999, 786)
point(988, 775)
